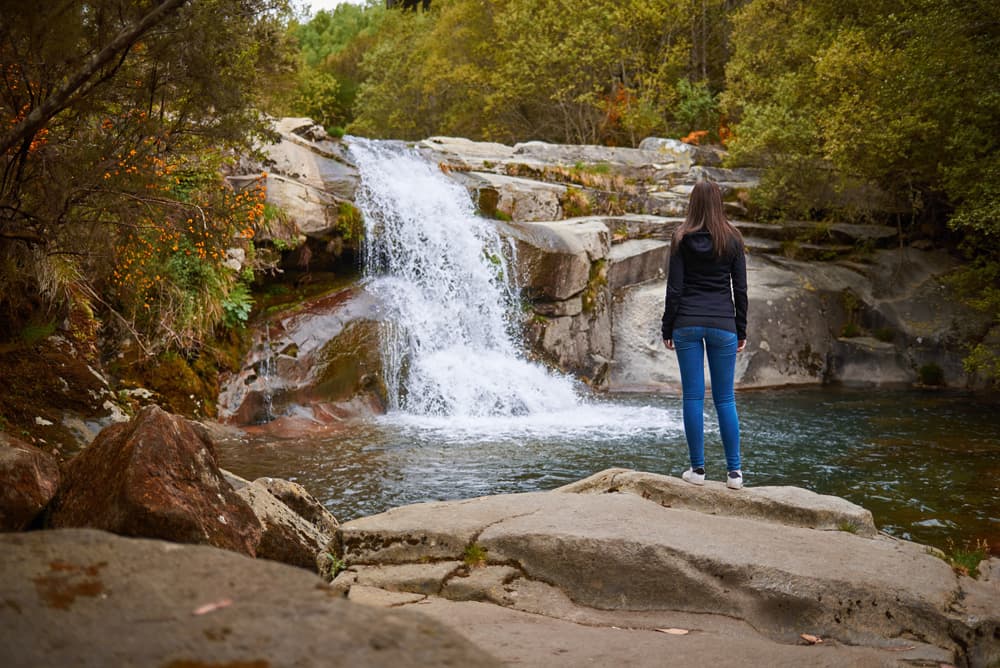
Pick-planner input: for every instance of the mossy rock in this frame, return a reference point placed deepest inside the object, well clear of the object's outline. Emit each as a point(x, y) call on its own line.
point(351, 363)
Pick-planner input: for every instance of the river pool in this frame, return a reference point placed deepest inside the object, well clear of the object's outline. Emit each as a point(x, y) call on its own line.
point(927, 464)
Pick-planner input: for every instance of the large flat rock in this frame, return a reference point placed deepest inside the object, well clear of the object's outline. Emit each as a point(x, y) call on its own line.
point(88, 598)
point(596, 638)
point(784, 561)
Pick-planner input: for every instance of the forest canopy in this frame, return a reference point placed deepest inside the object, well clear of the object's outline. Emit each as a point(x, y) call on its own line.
point(121, 116)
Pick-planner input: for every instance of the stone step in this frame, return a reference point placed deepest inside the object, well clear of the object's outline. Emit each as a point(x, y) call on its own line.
point(636, 261)
point(642, 226)
point(880, 236)
point(761, 245)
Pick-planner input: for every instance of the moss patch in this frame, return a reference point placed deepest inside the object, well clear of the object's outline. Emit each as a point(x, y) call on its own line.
point(596, 283)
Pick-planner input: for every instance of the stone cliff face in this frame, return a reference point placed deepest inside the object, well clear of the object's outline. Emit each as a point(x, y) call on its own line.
point(589, 227)
point(592, 227)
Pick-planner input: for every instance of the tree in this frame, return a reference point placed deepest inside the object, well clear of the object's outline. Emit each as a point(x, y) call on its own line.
point(898, 97)
point(113, 170)
point(595, 71)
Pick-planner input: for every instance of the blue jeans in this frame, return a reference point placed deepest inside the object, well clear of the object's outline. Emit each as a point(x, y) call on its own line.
point(691, 344)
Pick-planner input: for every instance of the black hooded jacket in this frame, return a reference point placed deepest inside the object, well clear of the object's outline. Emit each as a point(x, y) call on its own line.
point(701, 288)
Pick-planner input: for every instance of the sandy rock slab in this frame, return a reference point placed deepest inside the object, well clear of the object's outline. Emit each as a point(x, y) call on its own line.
point(784, 561)
point(81, 597)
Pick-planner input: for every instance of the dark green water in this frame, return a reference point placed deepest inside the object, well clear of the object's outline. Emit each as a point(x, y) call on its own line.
point(927, 464)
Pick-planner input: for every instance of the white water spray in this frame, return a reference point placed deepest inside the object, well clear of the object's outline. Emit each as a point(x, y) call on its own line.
point(449, 345)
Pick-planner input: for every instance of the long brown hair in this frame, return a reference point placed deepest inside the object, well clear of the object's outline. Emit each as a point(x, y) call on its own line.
point(705, 212)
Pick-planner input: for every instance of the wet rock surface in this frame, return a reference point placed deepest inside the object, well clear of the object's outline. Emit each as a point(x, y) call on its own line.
point(308, 363)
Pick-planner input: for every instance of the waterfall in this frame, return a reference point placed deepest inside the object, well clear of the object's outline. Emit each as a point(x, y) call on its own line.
point(450, 344)
point(268, 370)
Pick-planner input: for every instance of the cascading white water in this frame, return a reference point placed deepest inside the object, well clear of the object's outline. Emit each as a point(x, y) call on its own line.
point(449, 345)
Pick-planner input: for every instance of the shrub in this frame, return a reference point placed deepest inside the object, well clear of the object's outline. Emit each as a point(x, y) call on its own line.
point(965, 558)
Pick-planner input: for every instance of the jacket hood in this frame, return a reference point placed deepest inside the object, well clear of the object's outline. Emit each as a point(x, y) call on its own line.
point(700, 242)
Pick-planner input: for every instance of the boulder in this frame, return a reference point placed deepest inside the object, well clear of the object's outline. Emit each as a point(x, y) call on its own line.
point(308, 175)
point(579, 344)
point(860, 359)
point(589, 154)
point(641, 226)
point(562, 266)
point(790, 506)
point(517, 198)
point(302, 503)
point(554, 259)
point(784, 560)
point(317, 356)
point(155, 477)
point(87, 598)
point(670, 150)
point(285, 536)
point(29, 478)
point(465, 154)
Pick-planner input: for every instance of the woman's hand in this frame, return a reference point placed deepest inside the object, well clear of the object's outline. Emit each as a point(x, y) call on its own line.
point(669, 343)
point(740, 345)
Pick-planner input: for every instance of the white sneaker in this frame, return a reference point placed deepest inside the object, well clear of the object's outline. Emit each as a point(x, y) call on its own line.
point(694, 476)
point(734, 480)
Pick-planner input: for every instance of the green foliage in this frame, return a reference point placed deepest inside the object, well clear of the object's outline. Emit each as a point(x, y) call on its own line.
point(474, 555)
point(576, 203)
point(237, 305)
point(330, 565)
point(848, 526)
point(857, 107)
point(350, 223)
point(697, 109)
point(126, 175)
point(885, 334)
point(599, 71)
point(965, 558)
point(596, 282)
point(978, 283)
point(850, 330)
point(330, 32)
point(317, 97)
point(984, 360)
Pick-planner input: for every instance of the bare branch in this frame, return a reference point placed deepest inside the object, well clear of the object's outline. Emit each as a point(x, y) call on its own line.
point(28, 237)
point(61, 98)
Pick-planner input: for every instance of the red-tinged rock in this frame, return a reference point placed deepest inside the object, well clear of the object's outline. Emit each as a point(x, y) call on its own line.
point(29, 479)
point(155, 477)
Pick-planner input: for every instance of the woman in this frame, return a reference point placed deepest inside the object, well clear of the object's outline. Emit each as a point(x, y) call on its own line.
point(707, 272)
